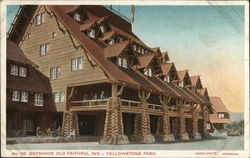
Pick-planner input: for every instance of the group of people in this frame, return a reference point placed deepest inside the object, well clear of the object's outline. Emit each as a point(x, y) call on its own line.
point(48, 132)
point(94, 96)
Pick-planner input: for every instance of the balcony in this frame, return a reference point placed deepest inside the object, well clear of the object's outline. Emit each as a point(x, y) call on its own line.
point(86, 105)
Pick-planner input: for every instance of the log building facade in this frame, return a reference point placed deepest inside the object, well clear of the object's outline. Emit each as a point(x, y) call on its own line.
point(104, 81)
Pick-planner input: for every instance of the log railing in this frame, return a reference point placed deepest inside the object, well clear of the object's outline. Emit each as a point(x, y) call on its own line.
point(154, 106)
point(129, 103)
point(172, 109)
point(90, 102)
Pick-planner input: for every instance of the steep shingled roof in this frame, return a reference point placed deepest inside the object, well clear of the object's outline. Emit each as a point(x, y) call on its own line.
point(14, 53)
point(34, 82)
point(218, 105)
point(166, 67)
point(116, 49)
point(145, 60)
point(194, 80)
point(181, 74)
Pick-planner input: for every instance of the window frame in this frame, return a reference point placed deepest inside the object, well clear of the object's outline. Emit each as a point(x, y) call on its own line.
point(77, 64)
point(16, 96)
point(23, 73)
point(14, 70)
point(44, 49)
point(60, 95)
point(56, 72)
point(39, 99)
point(40, 19)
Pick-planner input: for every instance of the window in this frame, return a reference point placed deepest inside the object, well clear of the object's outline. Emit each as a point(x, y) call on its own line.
point(77, 17)
point(23, 71)
point(135, 47)
point(111, 41)
point(181, 84)
point(166, 78)
point(28, 125)
point(53, 35)
point(14, 70)
point(16, 95)
point(122, 62)
point(102, 28)
point(38, 99)
point(24, 96)
point(91, 33)
point(59, 97)
point(148, 71)
point(44, 49)
point(55, 72)
point(29, 35)
point(39, 19)
point(221, 115)
point(77, 63)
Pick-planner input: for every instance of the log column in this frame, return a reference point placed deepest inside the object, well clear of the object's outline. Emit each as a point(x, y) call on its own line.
point(163, 134)
point(183, 134)
point(142, 121)
point(70, 123)
point(196, 134)
point(113, 129)
point(205, 121)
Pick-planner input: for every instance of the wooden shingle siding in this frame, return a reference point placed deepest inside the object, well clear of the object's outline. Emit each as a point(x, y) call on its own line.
point(61, 51)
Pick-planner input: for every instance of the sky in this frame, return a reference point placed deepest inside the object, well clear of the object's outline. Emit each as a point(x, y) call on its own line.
point(206, 40)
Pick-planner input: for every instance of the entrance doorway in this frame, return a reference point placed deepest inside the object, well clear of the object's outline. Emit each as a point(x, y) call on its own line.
point(86, 124)
point(189, 125)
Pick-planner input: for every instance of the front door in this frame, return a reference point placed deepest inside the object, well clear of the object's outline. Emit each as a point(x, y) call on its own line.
point(86, 124)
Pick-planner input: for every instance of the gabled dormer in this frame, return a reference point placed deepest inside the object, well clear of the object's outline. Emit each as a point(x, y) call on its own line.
point(157, 51)
point(78, 15)
point(103, 25)
point(184, 79)
point(121, 54)
point(113, 37)
point(164, 57)
point(196, 82)
point(169, 73)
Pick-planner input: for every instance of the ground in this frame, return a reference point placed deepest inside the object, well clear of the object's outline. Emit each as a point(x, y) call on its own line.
point(228, 143)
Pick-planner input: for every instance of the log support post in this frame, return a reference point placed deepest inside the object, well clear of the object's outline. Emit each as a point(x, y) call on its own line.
point(70, 125)
point(196, 134)
point(163, 126)
point(183, 134)
point(205, 121)
point(113, 128)
point(142, 131)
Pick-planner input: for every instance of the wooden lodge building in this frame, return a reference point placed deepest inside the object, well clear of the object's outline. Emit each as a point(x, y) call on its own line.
point(96, 77)
point(220, 116)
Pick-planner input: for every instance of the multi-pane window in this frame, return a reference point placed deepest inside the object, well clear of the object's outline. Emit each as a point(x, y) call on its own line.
point(55, 72)
point(148, 71)
point(24, 96)
point(102, 28)
point(39, 18)
point(38, 99)
point(44, 49)
point(122, 62)
point(166, 78)
point(19, 96)
point(23, 71)
point(59, 97)
point(15, 95)
point(77, 17)
point(77, 63)
point(208, 126)
point(221, 115)
point(14, 70)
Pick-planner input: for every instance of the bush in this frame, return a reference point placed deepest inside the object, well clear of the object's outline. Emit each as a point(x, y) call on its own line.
point(235, 128)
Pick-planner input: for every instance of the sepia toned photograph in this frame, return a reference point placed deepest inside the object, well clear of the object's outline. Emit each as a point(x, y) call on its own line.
point(136, 79)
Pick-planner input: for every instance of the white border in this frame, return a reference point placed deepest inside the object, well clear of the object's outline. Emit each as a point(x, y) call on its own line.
point(160, 153)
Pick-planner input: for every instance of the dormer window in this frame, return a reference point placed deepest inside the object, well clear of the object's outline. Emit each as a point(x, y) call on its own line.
point(166, 79)
point(142, 51)
point(122, 62)
point(181, 84)
point(111, 41)
point(102, 28)
point(77, 17)
point(148, 72)
point(91, 33)
point(18, 70)
point(221, 115)
point(135, 47)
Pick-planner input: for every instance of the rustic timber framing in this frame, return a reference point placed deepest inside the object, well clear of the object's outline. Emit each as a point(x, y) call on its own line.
point(109, 78)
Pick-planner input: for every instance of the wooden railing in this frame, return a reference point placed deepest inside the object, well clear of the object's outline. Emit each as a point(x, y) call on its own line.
point(154, 106)
point(172, 109)
point(90, 102)
point(129, 103)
